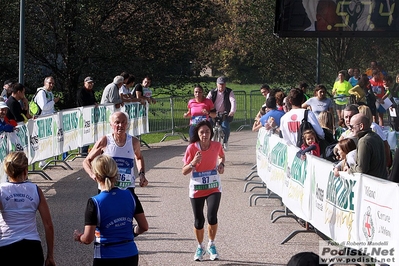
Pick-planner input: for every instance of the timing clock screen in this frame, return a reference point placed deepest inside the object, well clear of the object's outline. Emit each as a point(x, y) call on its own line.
point(330, 18)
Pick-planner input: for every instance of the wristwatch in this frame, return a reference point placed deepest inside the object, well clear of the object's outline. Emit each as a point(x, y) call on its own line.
point(191, 165)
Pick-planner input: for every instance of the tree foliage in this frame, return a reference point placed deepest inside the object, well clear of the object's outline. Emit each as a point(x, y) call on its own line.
point(172, 41)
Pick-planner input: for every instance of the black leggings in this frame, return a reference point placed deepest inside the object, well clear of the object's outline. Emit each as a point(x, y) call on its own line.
point(213, 202)
point(131, 261)
point(24, 252)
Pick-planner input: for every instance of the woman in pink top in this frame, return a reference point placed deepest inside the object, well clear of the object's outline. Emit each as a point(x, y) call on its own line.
point(199, 109)
point(204, 159)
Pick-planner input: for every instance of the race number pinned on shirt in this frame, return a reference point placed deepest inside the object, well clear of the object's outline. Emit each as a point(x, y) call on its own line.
point(205, 180)
point(126, 175)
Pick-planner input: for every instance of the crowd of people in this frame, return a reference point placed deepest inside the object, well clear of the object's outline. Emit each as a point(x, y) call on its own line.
point(358, 143)
point(355, 111)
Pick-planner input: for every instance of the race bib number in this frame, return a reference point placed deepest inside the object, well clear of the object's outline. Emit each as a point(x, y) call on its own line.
point(125, 168)
point(205, 180)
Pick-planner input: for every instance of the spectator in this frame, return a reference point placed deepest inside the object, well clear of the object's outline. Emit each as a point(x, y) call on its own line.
point(265, 90)
point(271, 111)
point(369, 71)
point(280, 95)
point(354, 79)
point(5, 124)
point(326, 122)
point(143, 91)
point(319, 102)
point(19, 202)
point(360, 90)
point(291, 121)
point(364, 110)
point(349, 112)
point(370, 149)
point(310, 144)
point(86, 97)
point(394, 95)
point(125, 149)
point(15, 110)
point(46, 101)
point(303, 86)
point(377, 86)
point(341, 93)
point(351, 73)
point(111, 93)
point(340, 129)
point(224, 100)
point(114, 241)
point(7, 89)
point(205, 160)
point(346, 154)
point(124, 91)
point(304, 259)
point(200, 108)
point(45, 97)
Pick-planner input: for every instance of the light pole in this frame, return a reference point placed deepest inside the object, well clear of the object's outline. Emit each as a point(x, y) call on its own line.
point(21, 41)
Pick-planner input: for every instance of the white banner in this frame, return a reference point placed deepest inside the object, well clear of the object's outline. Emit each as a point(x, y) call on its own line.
point(357, 211)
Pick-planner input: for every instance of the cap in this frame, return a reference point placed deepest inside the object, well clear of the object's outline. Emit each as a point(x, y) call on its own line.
point(89, 79)
point(3, 105)
point(221, 80)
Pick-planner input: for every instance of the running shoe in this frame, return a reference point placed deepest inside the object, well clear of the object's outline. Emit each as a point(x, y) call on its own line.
point(212, 252)
point(199, 254)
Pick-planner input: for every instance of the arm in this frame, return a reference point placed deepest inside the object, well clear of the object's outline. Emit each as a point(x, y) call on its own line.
point(138, 156)
point(48, 227)
point(142, 224)
point(221, 161)
point(233, 104)
point(188, 167)
point(95, 151)
point(363, 159)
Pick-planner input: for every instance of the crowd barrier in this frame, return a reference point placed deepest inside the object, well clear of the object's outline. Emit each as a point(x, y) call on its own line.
point(356, 211)
point(52, 135)
point(167, 113)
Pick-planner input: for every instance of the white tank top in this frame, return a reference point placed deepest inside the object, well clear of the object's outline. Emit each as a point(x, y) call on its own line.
point(124, 158)
point(18, 215)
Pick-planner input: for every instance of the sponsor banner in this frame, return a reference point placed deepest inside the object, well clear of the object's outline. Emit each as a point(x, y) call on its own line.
point(52, 135)
point(358, 212)
point(43, 142)
point(3, 154)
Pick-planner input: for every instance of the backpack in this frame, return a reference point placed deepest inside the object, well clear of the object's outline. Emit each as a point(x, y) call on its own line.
point(34, 108)
point(305, 125)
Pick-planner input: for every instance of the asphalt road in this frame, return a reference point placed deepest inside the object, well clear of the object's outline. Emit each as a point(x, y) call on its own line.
point(246, 235)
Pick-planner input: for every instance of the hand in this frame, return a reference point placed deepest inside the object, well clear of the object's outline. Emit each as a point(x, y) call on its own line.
point(56, 99)
point(76, 235)
point(143, 180)
point(221, 168)
point(197, 158)
point(49, 261)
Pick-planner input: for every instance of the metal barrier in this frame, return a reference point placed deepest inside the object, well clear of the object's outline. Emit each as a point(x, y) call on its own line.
point(167, 114)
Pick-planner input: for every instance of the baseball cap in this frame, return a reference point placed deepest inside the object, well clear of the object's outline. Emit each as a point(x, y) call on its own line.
point(89, 79)
point(3, 105)
point(221, 80)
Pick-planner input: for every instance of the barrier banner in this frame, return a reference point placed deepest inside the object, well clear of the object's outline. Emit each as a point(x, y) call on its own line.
point(3, 154)
point(354, 210)
point(67, 124)
point(43, 141)
point(138, 118)
point(333, 202)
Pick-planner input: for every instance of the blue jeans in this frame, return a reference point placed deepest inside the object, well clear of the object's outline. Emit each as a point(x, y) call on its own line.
point(226, 130)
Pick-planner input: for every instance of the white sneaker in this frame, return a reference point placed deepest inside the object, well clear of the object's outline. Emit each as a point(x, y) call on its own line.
point(199, 253)
point(213, 254)
point(225, 146)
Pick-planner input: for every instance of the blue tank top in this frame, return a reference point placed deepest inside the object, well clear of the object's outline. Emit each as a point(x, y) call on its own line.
point(114, 235)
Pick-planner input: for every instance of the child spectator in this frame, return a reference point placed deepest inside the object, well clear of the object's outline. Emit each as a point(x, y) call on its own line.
point(346, 153)
point(310, 144)
point(340, 129)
